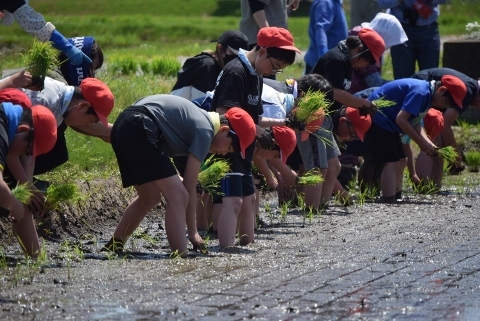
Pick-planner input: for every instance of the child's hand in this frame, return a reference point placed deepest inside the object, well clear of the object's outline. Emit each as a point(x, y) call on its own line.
point(428, 147)
point(37, 203)
point(415, 179)
point(198, 243)
point(17, 209)
point(21, 79)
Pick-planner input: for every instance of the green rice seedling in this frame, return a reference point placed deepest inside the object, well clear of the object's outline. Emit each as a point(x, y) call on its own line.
point(447, 153)
point(284, 211)
point(23, 193)
point(314, 105)
point(383, 103)
point(165, 66)
point(268, 210)
point(3, 259)
point(311, 214)
point(213, 170)
point(128, 65)
point(39, 59)
point(57, 194)
point(426, 187)
point(310, 178)
point(472, 158)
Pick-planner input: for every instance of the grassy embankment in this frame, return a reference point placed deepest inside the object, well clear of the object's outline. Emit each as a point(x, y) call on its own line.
point(142, 32)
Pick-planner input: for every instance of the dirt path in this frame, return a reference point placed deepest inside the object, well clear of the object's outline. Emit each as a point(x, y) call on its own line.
point(416, 261)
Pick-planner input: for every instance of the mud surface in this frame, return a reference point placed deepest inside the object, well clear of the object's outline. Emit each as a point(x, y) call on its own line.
point(419, 260)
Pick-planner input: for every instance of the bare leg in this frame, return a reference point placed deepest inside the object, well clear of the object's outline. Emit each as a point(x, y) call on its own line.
point(227, 221)
point(26, 233)
point(330, 179)
point(388, 179)
point(247, 220)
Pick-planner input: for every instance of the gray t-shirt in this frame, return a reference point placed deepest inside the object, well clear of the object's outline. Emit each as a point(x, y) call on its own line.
point(186, 128)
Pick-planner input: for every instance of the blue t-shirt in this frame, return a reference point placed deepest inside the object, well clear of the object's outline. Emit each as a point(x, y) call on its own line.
point(411, 95)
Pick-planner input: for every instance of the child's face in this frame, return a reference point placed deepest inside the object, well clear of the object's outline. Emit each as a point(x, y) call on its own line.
point(221, 144)
point(266, 154)
point(267, 66)
point(22, 143)
point(345, 130)
point(439, 100)
point(81, 114)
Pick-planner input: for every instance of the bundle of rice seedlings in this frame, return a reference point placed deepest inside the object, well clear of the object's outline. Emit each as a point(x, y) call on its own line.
point(57, 194)
point(448, 154)
point(39, 59)
point(310, 178)
point(213, 171)
point(382, 102)
point(314, 105)
point(23, 193)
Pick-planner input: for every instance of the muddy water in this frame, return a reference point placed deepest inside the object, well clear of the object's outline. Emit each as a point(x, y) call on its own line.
point(416, 261)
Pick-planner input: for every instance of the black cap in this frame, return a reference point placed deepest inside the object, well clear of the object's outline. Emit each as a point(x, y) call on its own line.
point(234, 39)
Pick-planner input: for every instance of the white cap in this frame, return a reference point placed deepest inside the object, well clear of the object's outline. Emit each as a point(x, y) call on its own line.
point(389, 28)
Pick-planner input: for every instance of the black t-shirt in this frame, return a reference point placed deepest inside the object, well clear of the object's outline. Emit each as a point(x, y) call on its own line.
point(237, 87)
point(335, 66)
point(200, 71)
point(437, 74)
point(11, 5)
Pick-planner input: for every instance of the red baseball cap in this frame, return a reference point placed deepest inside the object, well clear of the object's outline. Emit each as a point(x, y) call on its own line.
point(99, 96)
point(456, 88)
point(45, 130)
point(286, 140)
point(241, 123)
point(433, 123)
point(16, 97)
point(373, 41)
point(361, 123)
point(276, 37)
point(313, 126)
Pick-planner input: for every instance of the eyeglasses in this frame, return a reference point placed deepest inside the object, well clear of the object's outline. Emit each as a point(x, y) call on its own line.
point(274, 70)
point(358, 54)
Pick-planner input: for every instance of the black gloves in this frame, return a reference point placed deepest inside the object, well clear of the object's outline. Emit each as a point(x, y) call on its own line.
point(292, 122)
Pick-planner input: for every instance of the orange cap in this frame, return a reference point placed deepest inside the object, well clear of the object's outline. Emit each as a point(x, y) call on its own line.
point(45, 130)
point(313, 126)
point(361, 123)
point(241, 123)
point(286, 140)
point(16, 97)
point(456, 88)
point(433, 122)
point(277, 38)
point(99, 96)
point(373, 41)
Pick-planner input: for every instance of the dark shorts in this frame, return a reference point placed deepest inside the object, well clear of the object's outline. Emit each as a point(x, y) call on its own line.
point(239, 186)
point(137, 144)
point(384, 146)
point(295, 159)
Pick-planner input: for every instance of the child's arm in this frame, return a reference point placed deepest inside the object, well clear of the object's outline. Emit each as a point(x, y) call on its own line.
point(20, 79)
point(190, 178)
point(424, 143)
point(410, 164)
point(347, 99)
point(262, 166)
point(289, 177)
point(9, 202)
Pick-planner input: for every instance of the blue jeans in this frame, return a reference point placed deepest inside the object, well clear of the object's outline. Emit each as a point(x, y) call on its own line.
point(423, 46)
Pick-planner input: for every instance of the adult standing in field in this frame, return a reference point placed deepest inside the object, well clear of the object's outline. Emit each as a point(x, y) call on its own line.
point(327, 27)
point(240, 84)
point(199, 74)
point(419, 20)
point(434, 165)
point(34, 23)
